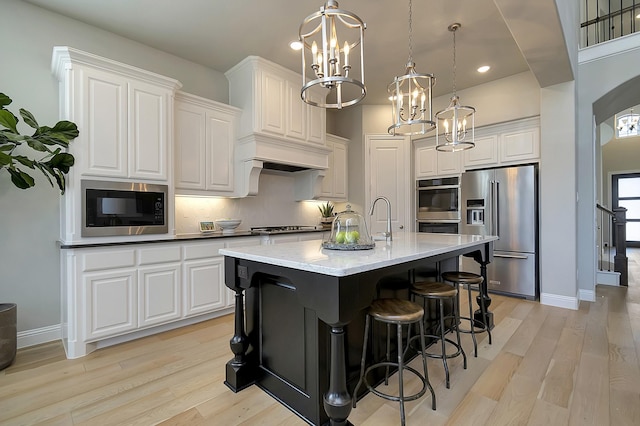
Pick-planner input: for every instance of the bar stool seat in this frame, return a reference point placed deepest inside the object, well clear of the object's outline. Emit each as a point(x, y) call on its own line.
point(440, 292)
point(397, 312)
point(471, 282)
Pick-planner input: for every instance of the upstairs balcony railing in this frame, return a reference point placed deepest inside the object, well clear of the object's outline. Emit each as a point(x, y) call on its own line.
point(604, 20)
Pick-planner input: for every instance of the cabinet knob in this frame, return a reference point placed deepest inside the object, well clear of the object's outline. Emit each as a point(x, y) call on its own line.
point(401, 226)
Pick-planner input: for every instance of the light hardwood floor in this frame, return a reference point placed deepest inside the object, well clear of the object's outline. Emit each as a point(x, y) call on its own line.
point(546, 366)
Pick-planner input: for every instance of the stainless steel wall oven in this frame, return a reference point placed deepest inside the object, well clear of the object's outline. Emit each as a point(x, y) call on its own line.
point(438, 199)
point(123, 208)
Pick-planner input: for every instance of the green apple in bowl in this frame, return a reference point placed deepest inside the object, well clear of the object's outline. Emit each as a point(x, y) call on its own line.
point(340, 237)
point(352, 237)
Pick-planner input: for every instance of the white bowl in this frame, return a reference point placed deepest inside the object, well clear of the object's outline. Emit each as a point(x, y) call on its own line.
point(228, 226)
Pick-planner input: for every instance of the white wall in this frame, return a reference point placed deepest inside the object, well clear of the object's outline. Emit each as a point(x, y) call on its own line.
point(29, 220)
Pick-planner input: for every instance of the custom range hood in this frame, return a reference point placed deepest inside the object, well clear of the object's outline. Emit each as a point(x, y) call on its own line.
point(306, 163)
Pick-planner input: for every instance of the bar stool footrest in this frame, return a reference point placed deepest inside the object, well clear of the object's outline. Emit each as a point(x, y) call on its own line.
point(395, 398)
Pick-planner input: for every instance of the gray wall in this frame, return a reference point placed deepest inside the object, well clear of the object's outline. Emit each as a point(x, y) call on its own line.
point(602, 71)
point(29, 220)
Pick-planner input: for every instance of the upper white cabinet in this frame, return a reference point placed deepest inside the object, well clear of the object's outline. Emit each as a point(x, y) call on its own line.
point(515, 142)
point(205, 133)
point(334, 184)
point(330, 183)
point(269, 96)
point(123, 113)
point(430, 162)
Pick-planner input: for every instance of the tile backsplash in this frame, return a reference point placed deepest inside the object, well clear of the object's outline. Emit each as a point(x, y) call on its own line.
point(273, 206)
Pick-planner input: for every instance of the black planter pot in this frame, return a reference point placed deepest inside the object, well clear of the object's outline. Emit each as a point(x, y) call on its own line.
point(8, 333)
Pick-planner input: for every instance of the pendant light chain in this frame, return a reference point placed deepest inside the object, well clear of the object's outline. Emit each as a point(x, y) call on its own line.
point(454, 60)
point(410, 35)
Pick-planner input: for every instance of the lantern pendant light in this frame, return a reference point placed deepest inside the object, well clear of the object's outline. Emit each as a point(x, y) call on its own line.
point(411, 98)
point(332, 57)
point(456, 122)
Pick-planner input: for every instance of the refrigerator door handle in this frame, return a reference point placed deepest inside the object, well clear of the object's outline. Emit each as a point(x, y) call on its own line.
point(510, 256)
point(496, 210)
point(494, 206)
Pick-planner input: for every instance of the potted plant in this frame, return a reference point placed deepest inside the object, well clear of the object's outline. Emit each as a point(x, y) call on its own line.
point(326, 212)
point(46, 140)
point(16, 156)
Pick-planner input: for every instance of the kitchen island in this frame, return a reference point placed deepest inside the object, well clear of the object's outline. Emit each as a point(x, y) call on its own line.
point(299, 312)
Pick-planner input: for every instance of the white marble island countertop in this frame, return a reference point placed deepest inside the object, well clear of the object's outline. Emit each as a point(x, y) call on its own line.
point(310, 256)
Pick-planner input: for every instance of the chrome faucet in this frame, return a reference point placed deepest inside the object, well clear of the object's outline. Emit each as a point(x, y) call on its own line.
point(388, 235)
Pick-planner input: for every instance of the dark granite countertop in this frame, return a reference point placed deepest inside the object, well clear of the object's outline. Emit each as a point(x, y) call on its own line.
point(183, 237)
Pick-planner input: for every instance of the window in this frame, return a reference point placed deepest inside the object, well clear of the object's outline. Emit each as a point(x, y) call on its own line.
point(626, 193)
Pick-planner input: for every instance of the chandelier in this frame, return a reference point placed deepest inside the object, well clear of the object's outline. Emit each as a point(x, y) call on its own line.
point(332, 55)
point(411, 98)
point(627, 125)
point(456, 122)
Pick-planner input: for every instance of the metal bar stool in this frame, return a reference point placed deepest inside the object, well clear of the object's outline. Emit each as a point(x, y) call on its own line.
point(399, 312)
point(472, 282)
point(440, 292)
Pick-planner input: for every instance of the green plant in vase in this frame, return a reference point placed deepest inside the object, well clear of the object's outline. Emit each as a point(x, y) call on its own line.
point(326, 211)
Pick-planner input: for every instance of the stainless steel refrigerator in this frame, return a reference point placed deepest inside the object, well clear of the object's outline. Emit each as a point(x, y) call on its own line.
point(504, 202)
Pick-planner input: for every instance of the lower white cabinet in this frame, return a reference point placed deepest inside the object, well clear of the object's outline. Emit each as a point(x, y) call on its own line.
point(158, 294)
point(204, 288)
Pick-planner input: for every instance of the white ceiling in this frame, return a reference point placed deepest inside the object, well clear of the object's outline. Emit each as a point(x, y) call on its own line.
point(219, 34)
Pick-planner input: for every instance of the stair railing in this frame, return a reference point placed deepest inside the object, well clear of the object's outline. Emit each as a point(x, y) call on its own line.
point(613, 233)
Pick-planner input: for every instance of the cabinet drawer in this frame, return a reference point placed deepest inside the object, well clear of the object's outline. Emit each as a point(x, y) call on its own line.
point(150, 256)
point(108, 259)
point(202, 251)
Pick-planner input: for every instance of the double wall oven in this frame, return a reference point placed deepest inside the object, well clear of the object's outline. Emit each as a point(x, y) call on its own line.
point(438, 205)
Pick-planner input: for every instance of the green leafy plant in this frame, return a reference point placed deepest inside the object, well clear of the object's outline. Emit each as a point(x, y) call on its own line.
point(48, 140)
point(326, 210)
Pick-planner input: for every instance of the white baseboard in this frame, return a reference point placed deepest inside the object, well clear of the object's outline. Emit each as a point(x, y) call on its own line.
point(38, 336)
point(566, 302)
point(587, 295)
point(608, 278)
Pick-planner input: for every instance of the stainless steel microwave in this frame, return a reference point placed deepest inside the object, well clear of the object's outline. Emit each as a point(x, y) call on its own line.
point(123, 208)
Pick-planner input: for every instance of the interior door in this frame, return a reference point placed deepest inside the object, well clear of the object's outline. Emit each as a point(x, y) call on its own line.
point(388, 174)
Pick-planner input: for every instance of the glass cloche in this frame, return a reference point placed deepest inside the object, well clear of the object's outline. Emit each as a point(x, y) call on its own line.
point(349, 232)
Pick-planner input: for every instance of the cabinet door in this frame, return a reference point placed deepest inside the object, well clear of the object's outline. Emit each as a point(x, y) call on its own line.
point(204, 289)
point(220, 135)
point(520, 146)
point(449, 163)
point(272, 111)
point(485, 153)
point(103, 126)
point(328, 181)
point(340, 182)
point(296, 113)
point(190, 151)
point(148, 128)
point(426, 161)
point(316, 119)
point(158, 294)
point(110, 299)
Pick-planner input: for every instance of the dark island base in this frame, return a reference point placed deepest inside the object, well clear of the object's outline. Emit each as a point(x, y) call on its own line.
point(300, 338)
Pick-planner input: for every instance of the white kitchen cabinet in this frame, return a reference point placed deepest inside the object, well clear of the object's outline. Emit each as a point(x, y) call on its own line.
point(205, 133)
point(159, 285)
point(510, 143)
point(204, 288)
point(110, 303)
point(269, 97)
point(334, 184)
point(123, 114)
point(485, 152)
point(431, 162)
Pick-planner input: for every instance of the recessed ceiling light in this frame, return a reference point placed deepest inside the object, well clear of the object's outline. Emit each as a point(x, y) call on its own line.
point(484, 68)
point(296, 45)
